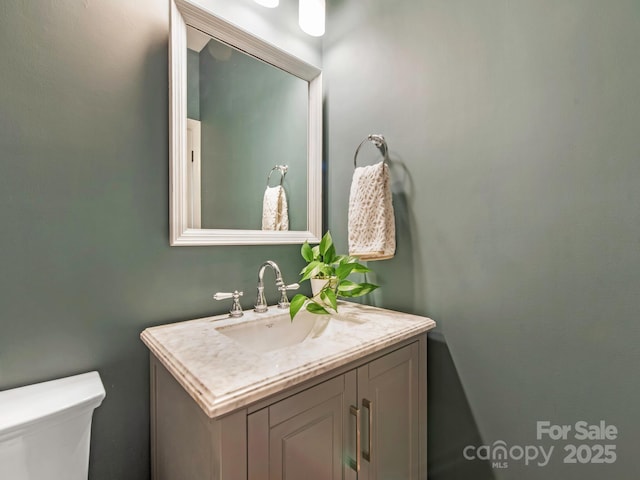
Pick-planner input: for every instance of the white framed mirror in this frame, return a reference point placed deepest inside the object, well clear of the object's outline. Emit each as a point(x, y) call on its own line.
point(203, 212)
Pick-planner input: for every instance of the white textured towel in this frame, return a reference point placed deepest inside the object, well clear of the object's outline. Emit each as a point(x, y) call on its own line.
point(372, 228)
point(275, 212)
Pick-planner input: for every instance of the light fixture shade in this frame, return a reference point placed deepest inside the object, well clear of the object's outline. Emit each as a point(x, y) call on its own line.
point(311, 17)
point(268, 3)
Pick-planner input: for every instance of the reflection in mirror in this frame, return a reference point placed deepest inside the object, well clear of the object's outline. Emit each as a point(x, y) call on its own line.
point(238, 108)
point(250, 116)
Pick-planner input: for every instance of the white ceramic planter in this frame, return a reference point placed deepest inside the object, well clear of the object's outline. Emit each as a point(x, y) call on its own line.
point(318, 284)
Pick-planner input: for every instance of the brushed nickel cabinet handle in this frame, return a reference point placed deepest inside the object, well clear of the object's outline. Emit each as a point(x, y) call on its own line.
point(368, 404)
point(355, 411)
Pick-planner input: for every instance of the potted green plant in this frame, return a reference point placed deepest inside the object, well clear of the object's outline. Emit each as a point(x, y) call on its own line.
point(328, 273)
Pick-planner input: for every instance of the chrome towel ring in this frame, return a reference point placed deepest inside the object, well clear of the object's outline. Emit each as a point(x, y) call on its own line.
point(379, 141)
point(283, 169)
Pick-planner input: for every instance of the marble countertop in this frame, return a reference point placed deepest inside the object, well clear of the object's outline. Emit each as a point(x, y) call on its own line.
point(223, 375)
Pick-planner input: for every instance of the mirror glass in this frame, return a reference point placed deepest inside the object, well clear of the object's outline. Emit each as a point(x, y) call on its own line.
point(250, 118)
point(245, 136)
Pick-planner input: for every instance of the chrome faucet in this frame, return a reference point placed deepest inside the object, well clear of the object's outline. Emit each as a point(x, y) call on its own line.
point(261, 302)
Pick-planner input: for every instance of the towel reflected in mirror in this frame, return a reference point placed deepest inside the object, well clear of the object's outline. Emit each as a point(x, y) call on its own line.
point(275, 212)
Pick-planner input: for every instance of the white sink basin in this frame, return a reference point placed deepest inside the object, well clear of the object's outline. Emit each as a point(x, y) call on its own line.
point(278, 331)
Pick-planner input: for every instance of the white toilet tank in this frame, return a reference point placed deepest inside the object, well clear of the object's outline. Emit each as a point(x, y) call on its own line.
point(45, 428)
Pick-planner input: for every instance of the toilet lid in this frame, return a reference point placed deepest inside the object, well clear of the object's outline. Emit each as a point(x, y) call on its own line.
point(25, 407)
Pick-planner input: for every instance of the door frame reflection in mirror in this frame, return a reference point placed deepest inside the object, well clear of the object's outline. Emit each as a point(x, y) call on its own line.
point(185, 12)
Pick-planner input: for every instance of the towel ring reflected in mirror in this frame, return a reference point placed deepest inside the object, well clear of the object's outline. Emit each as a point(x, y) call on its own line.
point(283, 169)
point(379, 141)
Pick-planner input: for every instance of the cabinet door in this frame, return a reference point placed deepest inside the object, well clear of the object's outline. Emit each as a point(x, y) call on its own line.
point(302, 437)
point(388, 396)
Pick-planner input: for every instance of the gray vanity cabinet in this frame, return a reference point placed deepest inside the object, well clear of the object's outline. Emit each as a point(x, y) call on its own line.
point(302, 436)
point(365, 420)
point(313, 435)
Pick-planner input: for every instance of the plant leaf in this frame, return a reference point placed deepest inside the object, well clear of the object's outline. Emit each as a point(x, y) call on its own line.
point(326, 243)
point(330, 255)
point(329, 297)
point(347, 286)
point(296, 304)
point(311, 270)
point(359, 290)
point(348, 294)
point(316, 308)
point(327, 271)
point(342, 259)
point(306, 251)
point(359, 268)
point(367, 288)
point(344, 270)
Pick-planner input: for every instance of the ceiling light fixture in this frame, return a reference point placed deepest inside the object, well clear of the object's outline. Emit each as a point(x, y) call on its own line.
point(311, 17)
point(268, 3)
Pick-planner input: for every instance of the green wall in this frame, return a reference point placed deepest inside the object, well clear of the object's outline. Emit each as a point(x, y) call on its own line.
point(86, 263)
point(513, 130)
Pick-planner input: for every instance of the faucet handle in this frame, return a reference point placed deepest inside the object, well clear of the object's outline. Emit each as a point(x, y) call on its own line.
point(236, 309)
point(284, 301)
